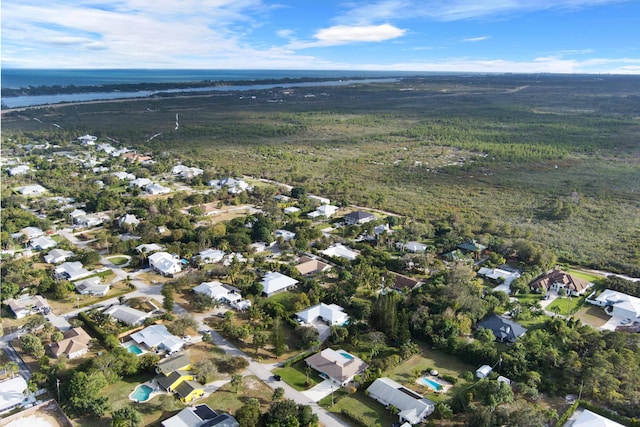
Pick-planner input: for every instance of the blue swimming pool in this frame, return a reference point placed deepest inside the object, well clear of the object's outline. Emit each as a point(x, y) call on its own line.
point(134, 349)
point(141, 393)
point(434, 385)
point(345, 355)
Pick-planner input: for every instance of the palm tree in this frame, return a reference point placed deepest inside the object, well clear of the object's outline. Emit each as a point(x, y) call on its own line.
point(236, 382)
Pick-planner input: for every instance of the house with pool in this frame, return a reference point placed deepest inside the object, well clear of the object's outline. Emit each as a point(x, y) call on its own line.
point(336, 365)
point(413, 408)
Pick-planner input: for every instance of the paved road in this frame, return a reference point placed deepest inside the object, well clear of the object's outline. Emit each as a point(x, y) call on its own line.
point(5, 346)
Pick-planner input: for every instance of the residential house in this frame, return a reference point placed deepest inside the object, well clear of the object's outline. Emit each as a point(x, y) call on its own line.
point(319, 200)
point(472, 247)
point(200, 416)
point(330, 313)
point(189, 390)
point(591, 419)
point(309, 266)
point(221, 292)
point(558, 279)
point(76, 213)
point(291, 210)
point(400, 282)
point(106, 147)
point(341, 251)
point(358, 218)
point(56, 256)
point(74, 344)
point(88, 221)
point(505, 330)
point(412, 407)
point(234, 186)
point(12, 393)
point(326, 211)
point(149, 248)
point(70, 271)
point(211, 256)
point(337, 366)
point(18, 170)
point(618, 304)
point(27, 305)
point(128, 220)
point(178, 363)
point(31, 190)
point(127, 315)
point(173, 380)
point(158, 337)
point(155, 189)
point(414, 247)
point(275, 282)
point(286, 235)
point(134, 157)
point(186, 172)
point(43, 243)
point(87, 139)
point(92, 286)
point(32, 232)
point(165, 263)
point(139, 182)
point(503, 274)
point(124, 176)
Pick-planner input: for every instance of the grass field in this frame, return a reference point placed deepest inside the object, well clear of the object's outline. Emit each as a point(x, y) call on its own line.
point(225, 399)
point(592, 315)
point(566, 306)
point(296, 376)
point(365, 408)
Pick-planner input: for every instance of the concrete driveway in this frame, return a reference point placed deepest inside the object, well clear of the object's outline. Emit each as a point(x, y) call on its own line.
point(320, 391)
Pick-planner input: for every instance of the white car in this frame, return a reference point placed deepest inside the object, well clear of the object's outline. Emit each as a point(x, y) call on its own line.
point(625, 321)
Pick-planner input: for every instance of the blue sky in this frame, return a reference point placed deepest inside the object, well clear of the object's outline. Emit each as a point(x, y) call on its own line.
point(563, 36)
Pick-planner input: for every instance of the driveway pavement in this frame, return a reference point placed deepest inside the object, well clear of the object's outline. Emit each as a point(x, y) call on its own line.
point(320, 391)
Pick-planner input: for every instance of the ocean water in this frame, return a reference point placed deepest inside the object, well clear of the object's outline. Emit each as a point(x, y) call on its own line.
point(19, 78)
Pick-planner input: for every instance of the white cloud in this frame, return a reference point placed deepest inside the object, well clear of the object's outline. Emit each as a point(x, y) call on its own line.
point(341, 34)
point(476, 39)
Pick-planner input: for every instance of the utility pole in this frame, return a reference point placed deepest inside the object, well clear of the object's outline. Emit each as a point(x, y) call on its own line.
point(58, 387)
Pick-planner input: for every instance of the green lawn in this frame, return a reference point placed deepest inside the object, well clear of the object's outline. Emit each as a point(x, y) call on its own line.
point(287, 299)
point(225, 399)
point(367, 409)
point(118, 260)
point(566, 306)
point(583, 275)
point(428, 359)
point(296, 376)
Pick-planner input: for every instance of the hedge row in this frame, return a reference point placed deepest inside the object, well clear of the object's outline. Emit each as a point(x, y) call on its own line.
point(108, 340)
point(297, 358)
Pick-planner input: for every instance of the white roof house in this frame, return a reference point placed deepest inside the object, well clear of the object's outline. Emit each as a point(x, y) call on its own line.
point(318, 199)
point(339, 250)
point(126, 314)
point(618, 304)
point(415, 247)
point(331, 313)
point(149, 248)
point(43, 243)
point(507, 277)
point(31, 232)
point(18, 170)
point(124, 176)
point(24, 306)
point(57, 256)
point(326, 211)
point(291, 210)
point(31, 190)
point(91, 286)
point(285, 234)
point(275, 282)
point(590, 419)
point(77, 213)
point(70, 271)
point(87, 139)
point(12, 393)
point(155, 189)
point(88, 220)
point(128, 219)
point(139, 182)
point(157, 336)
point(211, 256)
point(106, 147)
point(165, 263)
point(219, 291)
point(234, 186)
point(413, 407)
point(186, 171)
point(483, 371)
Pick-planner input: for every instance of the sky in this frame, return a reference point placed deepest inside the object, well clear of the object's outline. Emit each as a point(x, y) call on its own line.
point(554, 36)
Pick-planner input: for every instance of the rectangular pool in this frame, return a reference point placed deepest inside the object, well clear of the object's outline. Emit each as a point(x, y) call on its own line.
point(345, 355)
point(434, 385)
point(134, 349)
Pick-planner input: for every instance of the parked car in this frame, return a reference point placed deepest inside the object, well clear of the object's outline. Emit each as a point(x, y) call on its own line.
point(277, 378)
